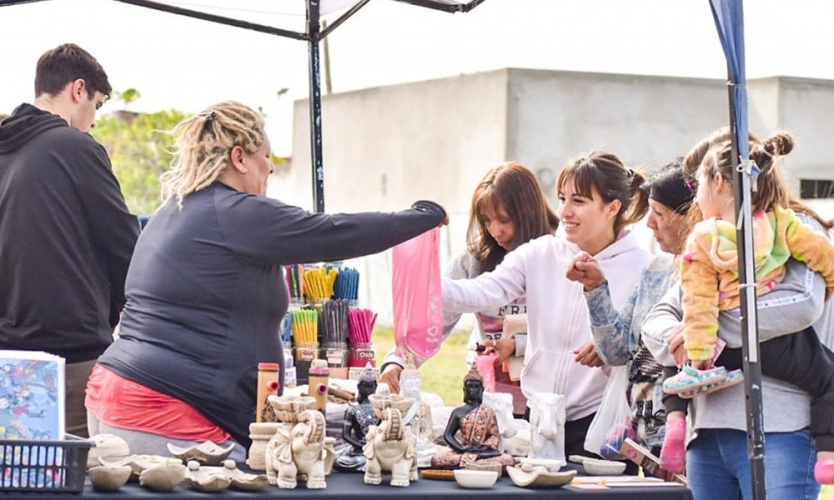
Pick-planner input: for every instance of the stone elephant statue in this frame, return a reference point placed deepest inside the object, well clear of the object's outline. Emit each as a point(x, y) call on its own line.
point(547, 422)
point(390, 447)
point(299, 450)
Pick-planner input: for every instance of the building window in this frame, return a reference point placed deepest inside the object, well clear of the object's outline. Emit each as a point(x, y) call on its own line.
point(816, 189)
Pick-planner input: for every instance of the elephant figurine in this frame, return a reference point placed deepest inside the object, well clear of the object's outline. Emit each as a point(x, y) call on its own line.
point(300, 450)
point(547, 422)
point(390, 446)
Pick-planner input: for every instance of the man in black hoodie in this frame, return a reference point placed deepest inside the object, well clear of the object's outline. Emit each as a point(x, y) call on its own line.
point(66, 236)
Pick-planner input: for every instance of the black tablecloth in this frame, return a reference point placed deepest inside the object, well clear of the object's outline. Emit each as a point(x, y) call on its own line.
point(341, 485)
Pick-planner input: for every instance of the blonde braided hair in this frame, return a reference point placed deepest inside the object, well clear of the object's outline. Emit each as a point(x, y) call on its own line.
point(203, 144)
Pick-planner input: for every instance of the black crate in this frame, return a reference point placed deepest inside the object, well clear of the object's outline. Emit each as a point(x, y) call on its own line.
point(43, 466)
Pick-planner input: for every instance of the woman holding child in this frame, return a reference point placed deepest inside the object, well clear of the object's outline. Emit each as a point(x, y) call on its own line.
point(717, 463)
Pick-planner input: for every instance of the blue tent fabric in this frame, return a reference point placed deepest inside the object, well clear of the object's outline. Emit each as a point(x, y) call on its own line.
point(729, 20)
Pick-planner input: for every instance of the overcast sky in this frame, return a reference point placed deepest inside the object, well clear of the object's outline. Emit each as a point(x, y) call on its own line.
point(176, 62)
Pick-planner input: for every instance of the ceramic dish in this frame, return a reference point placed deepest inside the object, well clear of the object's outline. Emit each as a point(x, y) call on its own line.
point(549, 464)
point(238, 479)
point(140, 463)
point(205, 480)
point(528, 476)
point(603, 467)
point(106, 446)
point(162, 477)
point(206, 453)
point(481, 479)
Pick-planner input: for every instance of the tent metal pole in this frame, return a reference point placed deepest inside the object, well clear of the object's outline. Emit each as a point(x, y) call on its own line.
point(344, 17)
point(749, 320)
point(172, 9)
point(314, 60)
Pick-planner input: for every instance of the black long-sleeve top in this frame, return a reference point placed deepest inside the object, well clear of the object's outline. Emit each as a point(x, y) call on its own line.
point(206, 294)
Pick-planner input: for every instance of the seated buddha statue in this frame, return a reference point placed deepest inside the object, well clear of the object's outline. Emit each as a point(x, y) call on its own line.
point(419, 415)
point(477, 426)
point(359, 417)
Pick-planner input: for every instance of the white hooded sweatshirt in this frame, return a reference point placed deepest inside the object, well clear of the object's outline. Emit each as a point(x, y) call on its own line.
point(557, 312)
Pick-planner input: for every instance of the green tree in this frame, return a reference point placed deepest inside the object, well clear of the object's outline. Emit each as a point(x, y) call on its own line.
point(140, 150)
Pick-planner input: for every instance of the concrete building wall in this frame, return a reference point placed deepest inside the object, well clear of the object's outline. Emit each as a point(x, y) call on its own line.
point(807, 107)
point(645, 120)
point(386, 147)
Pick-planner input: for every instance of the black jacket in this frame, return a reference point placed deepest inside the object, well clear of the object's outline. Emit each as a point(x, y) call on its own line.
point(206, 292)
point(66, 238)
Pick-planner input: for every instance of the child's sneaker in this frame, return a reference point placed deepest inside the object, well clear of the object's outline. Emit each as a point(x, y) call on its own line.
point(689, 379)
point(824, 471)
point(733, 378)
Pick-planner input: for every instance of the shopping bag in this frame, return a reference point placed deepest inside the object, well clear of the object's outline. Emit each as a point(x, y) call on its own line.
point(417, 296)
point(612, 423)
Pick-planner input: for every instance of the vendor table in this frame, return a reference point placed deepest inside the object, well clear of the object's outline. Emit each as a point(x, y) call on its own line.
point(342, 485)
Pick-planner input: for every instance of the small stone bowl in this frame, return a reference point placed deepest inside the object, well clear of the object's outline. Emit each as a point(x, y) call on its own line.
point(109, 477)
point(476, 479)
point(603, 467)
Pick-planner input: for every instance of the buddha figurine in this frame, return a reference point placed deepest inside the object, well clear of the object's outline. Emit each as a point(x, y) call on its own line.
point(478, 426)
point(419, 415)
point(359, 417)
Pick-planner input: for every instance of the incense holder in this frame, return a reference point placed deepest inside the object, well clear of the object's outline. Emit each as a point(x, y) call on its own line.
point(206, 453)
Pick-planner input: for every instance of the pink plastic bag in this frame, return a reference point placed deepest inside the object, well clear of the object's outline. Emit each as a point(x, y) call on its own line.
point(485, 364)
point(418, 302)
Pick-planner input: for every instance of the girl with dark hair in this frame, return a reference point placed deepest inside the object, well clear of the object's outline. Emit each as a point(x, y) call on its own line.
point(617, 333)
point(599, 198)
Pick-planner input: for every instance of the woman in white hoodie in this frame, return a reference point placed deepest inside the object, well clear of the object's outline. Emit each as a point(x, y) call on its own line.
point(599, 198)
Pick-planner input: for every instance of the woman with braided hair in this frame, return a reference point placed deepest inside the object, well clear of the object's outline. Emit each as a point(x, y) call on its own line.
point(205, 290)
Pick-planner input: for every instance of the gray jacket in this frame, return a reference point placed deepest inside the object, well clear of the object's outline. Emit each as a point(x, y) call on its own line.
point(794, 304)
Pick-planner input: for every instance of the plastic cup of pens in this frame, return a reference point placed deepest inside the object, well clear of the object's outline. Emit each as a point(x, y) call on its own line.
point(294, 276)
point(304, 332)
point(361, 355)
point(336, 355)
point(304, 356)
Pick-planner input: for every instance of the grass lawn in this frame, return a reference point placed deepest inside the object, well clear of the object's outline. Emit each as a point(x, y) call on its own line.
point(443, 374)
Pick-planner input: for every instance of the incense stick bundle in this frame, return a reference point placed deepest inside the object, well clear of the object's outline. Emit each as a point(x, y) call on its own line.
point(318, 283)
point(286, 327)
point(347, 284)
point(294, 277)
point(305, 327)
point(361, 325)
point(335, 322)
